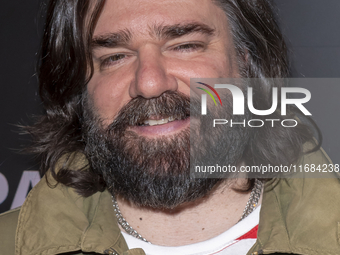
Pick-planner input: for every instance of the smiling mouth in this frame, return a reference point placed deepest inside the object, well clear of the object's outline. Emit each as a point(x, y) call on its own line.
point(161, 121)
point(159, 126)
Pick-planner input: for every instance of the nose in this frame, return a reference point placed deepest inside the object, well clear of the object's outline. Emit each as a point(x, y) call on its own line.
point(151, 78)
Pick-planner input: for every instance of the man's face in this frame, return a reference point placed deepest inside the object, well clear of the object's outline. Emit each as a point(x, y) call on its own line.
point(144, 48)
point(137, 105)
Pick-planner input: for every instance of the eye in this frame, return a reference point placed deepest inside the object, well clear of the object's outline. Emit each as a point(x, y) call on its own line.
point(112, 60)
point(188, 47)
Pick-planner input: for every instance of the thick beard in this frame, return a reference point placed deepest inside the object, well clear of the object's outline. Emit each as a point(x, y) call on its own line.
point(149, 172)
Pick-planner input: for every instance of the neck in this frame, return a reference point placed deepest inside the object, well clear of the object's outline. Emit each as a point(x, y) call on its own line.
point(190, 222)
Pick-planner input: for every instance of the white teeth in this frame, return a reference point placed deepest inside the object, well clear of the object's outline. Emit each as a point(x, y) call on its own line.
point(158, 122)
point(153, 122)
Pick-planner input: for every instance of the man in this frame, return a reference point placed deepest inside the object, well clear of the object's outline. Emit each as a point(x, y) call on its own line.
point(115, 82)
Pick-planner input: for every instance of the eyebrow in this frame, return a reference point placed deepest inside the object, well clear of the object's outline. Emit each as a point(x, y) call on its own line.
point(111, 40)
point(161, 32)
point(178, 30)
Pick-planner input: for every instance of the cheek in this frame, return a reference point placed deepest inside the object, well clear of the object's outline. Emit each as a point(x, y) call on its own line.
point(202, 68)
point(108, 96)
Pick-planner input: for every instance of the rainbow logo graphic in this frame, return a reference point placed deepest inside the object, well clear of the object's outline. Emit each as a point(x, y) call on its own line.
point(209, 93)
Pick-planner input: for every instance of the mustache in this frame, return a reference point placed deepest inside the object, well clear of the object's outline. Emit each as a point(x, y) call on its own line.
point(170, 104)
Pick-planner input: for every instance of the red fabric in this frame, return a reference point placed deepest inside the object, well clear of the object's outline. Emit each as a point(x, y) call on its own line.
point(250, 234)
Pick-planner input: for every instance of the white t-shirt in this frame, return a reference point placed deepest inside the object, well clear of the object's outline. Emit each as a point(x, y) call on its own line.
point(235, 241)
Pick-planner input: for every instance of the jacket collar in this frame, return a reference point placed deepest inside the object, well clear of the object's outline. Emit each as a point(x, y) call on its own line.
point(55, 219)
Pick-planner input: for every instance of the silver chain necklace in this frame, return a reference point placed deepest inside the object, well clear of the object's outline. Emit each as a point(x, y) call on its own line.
point(125, 225)
point(250, 207)
point(253, 199)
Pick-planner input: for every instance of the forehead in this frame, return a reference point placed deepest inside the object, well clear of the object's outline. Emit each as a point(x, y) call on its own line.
point(141, 15)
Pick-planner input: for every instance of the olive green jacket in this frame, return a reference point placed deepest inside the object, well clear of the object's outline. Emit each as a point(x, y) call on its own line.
point(299, 216)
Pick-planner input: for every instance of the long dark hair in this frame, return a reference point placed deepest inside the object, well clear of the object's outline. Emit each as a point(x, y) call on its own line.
point(65, 67)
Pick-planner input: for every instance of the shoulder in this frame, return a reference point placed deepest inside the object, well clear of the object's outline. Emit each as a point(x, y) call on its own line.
point(297, 214)
point(8, 226)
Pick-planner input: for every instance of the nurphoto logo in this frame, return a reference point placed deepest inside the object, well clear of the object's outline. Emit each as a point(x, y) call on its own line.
point(238, 99)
